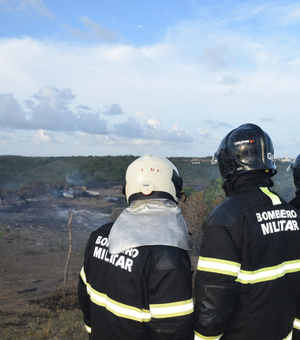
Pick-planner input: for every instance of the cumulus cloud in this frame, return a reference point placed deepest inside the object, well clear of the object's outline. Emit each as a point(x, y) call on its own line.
point(113, 110)
point(48, 111)
point(27, 5)
point(151, 129)
point(43, 136)
point(130, 128)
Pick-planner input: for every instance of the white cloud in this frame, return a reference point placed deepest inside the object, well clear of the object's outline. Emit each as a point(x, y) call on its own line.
point(151, 129)
point(113, 110)
point(48, 111)
point(44, 137)
point(171, 79)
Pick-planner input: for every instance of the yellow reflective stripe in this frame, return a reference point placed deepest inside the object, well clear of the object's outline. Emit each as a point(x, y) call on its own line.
point(169, 310)
point(297, 324)
point(218, 266)
point(82, 274)
point(117, 308)
point(88, 329)
point(289, 337)
point(268, 274)
point(202, 337)
point(274, 198)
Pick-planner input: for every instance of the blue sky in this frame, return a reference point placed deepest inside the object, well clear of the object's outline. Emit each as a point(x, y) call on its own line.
point(131, 77)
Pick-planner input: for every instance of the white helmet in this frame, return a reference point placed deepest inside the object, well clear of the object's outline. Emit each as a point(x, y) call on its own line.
point(152, 176)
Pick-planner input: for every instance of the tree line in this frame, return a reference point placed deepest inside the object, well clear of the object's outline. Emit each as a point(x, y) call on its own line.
point(29, 176)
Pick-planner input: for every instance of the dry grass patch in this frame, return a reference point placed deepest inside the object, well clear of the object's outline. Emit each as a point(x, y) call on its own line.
point(55, 316)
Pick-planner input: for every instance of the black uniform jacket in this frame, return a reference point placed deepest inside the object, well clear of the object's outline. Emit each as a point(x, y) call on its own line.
point(248, 277)
point(142, 293)
point(295, 202)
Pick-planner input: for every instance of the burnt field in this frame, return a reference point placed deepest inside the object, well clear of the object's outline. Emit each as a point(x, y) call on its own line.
point(34, 245)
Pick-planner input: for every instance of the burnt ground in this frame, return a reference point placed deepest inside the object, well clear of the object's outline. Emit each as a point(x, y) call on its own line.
point(34, 242)
point(34, 245)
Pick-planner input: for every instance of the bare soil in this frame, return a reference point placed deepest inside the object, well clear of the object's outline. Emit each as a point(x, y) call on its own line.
point(34, 242)
point(34, 245)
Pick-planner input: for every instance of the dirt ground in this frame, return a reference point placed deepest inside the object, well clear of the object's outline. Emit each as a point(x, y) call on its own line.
point(34, 241)
point(34, 245)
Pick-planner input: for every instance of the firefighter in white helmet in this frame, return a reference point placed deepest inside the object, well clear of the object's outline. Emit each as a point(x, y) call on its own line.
point(136, 280)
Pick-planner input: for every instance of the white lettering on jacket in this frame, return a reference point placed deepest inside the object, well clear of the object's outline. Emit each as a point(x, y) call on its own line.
point(123, 260)
point(280, 220)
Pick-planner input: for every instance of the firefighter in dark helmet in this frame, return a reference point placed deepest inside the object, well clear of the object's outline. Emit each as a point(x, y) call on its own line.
point(248, 274)
point(295, 168)
point(295, 202)
point(136, 280)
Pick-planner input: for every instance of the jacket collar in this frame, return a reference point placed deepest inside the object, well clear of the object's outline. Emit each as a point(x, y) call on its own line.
point(246, 181)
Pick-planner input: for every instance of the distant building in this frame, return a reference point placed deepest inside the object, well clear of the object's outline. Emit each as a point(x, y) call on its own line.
point(287, 159)
point(195, 161)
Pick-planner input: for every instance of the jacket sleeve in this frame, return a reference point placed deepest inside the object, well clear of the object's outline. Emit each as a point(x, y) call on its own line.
point(215, 284)
point(296, 330)
point(170, 294)
point(84, 300)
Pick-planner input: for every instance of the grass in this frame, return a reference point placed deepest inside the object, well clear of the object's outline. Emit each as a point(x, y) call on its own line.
point(56, 316)
point(3, 232)
point(32, 252)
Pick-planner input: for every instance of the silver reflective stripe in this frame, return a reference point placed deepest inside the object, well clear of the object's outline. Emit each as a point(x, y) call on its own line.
point(169, 310)
point(198, 336)
point(219, 266)
point(268, 274)
point(274, 198)
point(297, 324)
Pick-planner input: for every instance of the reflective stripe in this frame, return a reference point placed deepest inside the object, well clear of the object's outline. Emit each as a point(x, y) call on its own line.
point(169, 310)
point(82, 274)
point(274, 198)
point(142, 315)
point(117, 308)
point(218, 266)
point(202, 337)
point(297, 324)
point(233, 268)
point(88, 329)
point(289, 337)
point(267, 274)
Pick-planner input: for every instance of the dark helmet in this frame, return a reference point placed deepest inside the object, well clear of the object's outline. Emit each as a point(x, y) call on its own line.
point(295, 167)
point(245, 149)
